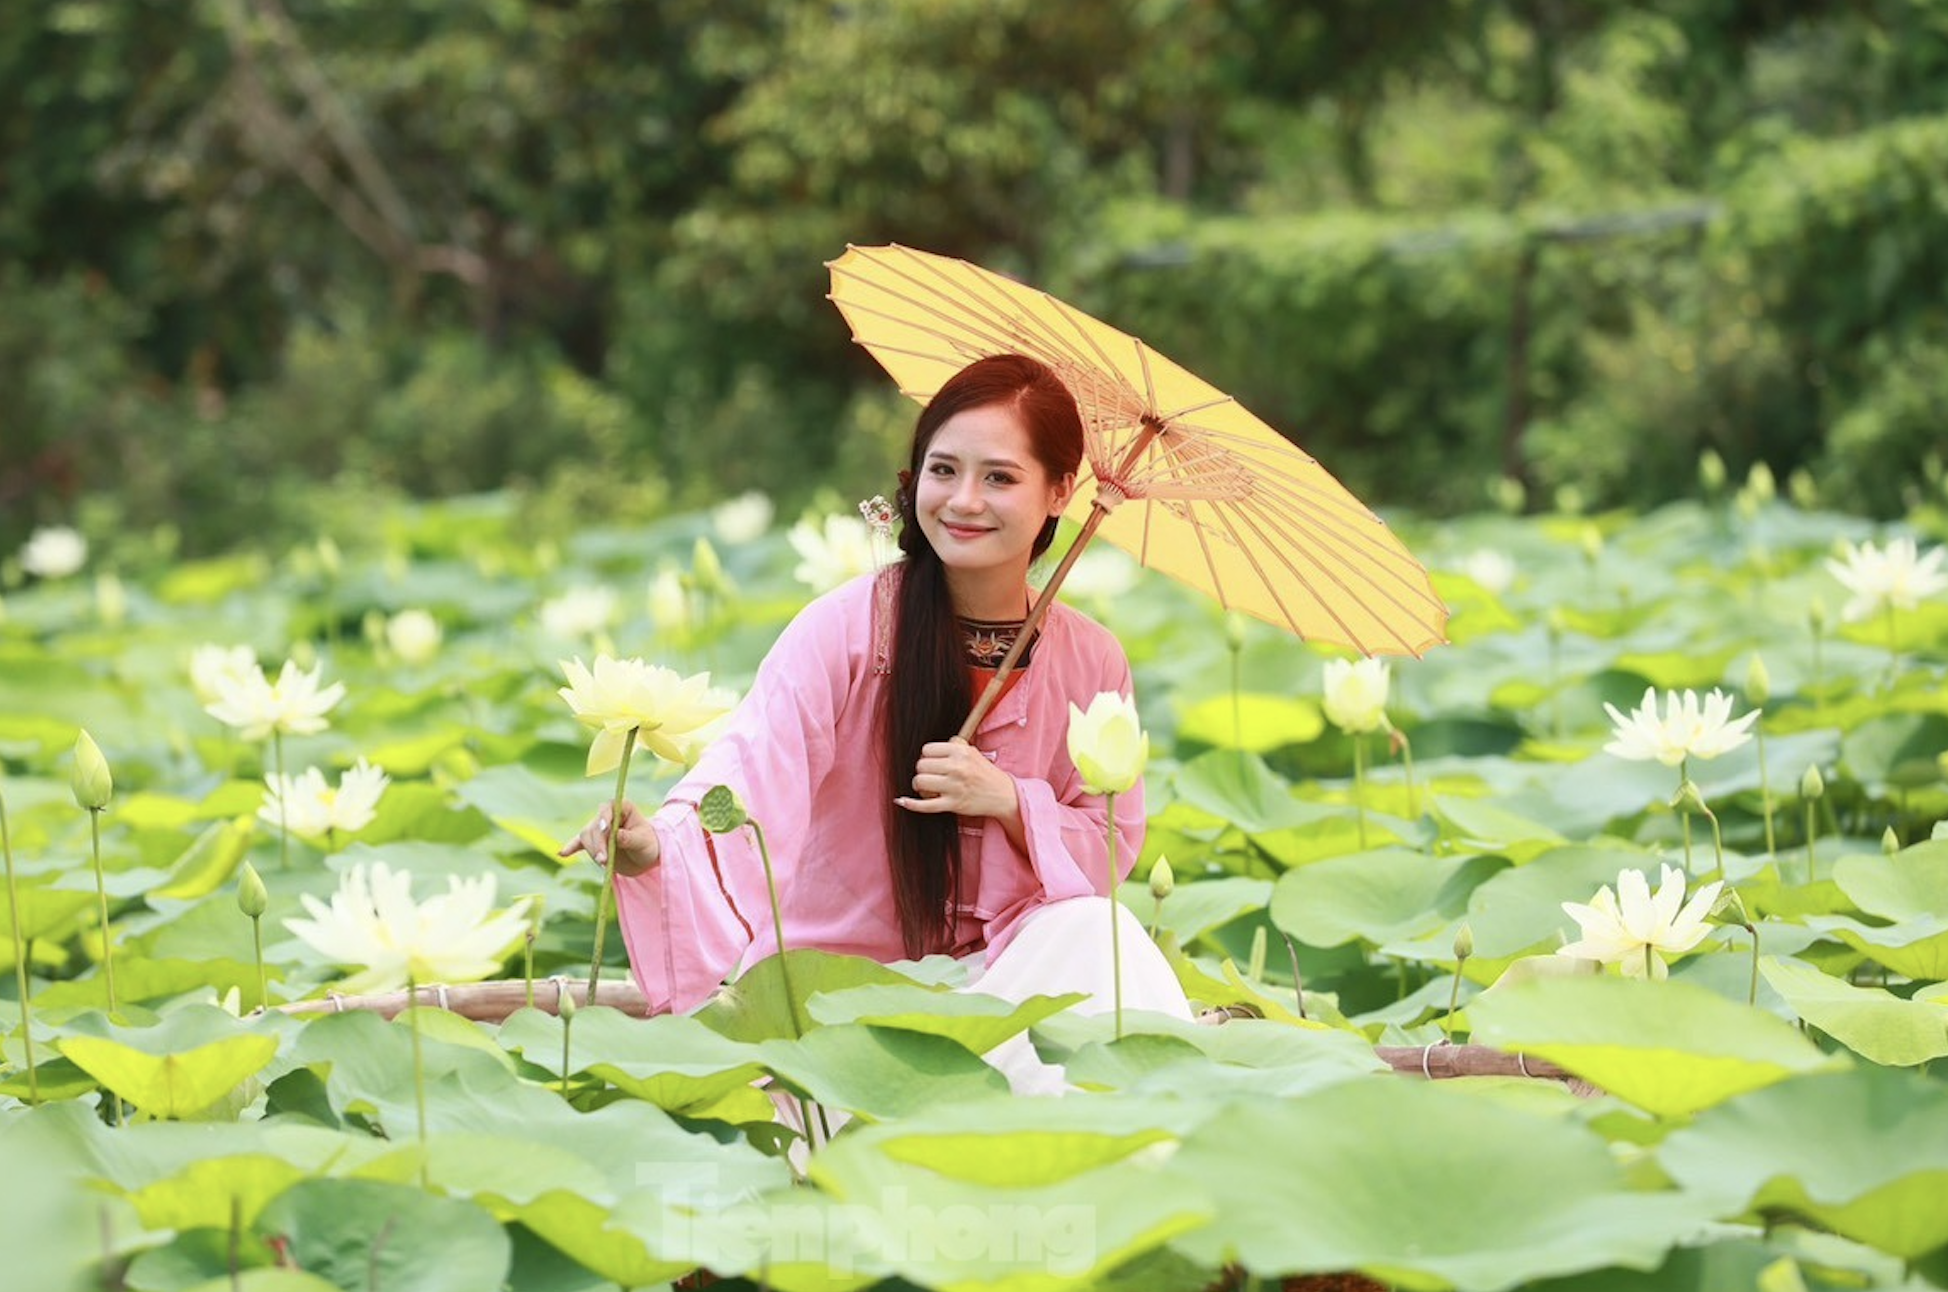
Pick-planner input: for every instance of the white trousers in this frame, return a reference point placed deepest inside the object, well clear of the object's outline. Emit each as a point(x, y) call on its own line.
point(1066, 947)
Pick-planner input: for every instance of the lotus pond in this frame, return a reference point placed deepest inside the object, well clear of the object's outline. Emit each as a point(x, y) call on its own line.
point(1765, 1116)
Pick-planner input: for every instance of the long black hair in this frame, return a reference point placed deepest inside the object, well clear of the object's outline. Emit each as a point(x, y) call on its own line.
point(929, 695)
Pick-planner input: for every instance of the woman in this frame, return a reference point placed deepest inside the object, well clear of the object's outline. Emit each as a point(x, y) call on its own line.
point(891, 838)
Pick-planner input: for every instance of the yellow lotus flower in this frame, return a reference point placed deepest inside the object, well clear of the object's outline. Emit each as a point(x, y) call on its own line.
point(256, 706)
point(1107, 743)
point(374, 923)
point(668, 712)
point(1356, 694)
point(1688, 729)
point(1634, 930)
point(413, 635)
point(831, 551)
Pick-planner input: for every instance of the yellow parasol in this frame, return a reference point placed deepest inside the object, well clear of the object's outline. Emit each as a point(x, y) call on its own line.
point(1187, 480)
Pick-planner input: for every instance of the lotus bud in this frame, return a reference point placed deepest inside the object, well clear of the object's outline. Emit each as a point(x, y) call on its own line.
point(1803, 489)
point(1464, 941)
point(111, 599)
point(1688, 800)
point(1234, 631)
point(720, 810)
point(707, 569)
point(1591, 539)
point(1758, 682)
point(1508, 494)
point(90, 780)
point(1890, 843)
point(253, 899)
point(1759, 482)
point(1107, 743)
point(1162, 882)
point(1730, 909)
point(1812, 785)
point(1711, 472)
point(330, 559)
point(565, 1007)
point(1556, 622)
point(1816, 616)
point(1569, 500)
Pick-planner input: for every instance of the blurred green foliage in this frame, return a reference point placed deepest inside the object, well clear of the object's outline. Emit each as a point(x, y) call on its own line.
point(249, 247)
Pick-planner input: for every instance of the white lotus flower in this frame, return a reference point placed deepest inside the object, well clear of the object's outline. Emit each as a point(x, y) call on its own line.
point(374, 923)
point(1356, 694)
point(1103, 571)
point(831, 551)
point(742, 519)
point(1634, 930)
point(668, 712)
point(413, 635)
point(54, 552)
point(1687, 729)
point(215, 670)
point(1493, 570)
point(306, 805)
point(256, 707)
point(1107, 743)
point(1895, 576)
point(579, 612)
point(669, 601)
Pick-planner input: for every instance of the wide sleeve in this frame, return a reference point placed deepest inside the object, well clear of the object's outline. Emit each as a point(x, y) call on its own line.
point(1065, 827)
point(689, 919)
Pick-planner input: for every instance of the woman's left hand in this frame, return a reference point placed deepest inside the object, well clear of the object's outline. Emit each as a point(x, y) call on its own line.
point(954, 776)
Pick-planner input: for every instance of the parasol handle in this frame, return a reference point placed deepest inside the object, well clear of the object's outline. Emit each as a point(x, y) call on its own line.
point(1029, 626)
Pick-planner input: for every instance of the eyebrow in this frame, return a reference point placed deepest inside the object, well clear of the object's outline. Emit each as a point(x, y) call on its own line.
point(986, 462)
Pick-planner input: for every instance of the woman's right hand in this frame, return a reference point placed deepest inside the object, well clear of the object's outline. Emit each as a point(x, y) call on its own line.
point(637, 847)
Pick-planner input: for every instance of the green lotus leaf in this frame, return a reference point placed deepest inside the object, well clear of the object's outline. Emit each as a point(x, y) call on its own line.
point(1479, 824)
point(1896, 749)
point(1009, 1143)
point(874, 1213)
point(1239, 789)
point(268, 1280)
point(1863, 1153)
point(1255, 722)
point(1378, 896)
point(211, 858)
point(1521, 908)
point(674, 1062)
point(1913, 885)
point(1498, 1196)
point(365, 1233)
point(535, 809)
point(1871, 1021)
point(185, 1063)
point(880, 1072)
point(140, 979)
point(1196, 906)
point(754, 1007)
point(1916, 948)
point(43, 911)
point(976, 1021)
point(1668, 1047)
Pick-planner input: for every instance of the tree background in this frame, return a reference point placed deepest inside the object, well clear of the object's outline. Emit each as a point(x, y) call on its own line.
point(266, 260)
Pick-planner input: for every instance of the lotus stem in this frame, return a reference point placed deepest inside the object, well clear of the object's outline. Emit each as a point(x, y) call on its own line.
point(283, 808)
point(1115, 922)
point(605, 896)
point(20, 958)
point(1359, 785)
point(1752, 992)
point(419, 1075)
point(1298, 979)
point(778, 929)
point(101, 896)
point(1765, 788)
point(257, 946)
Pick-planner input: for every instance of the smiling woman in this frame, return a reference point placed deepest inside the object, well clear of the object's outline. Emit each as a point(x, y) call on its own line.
point(893, 838)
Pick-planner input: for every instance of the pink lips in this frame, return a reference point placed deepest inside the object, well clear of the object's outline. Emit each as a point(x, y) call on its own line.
point(963, 531)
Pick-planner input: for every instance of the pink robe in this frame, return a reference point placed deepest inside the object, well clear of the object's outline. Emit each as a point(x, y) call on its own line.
point(801, 752)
